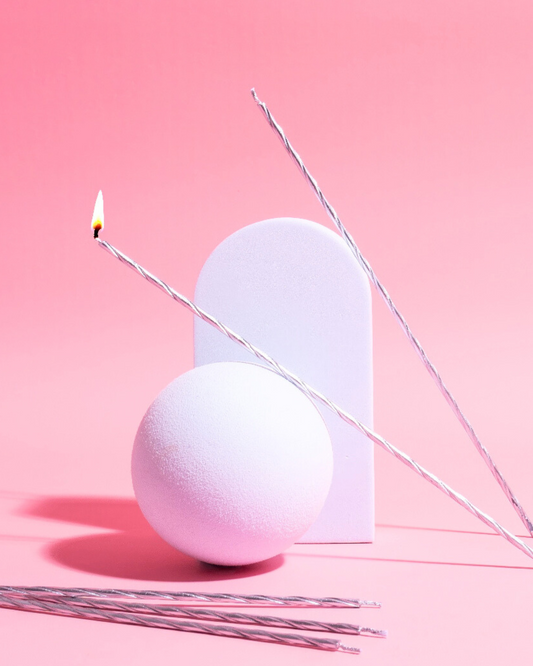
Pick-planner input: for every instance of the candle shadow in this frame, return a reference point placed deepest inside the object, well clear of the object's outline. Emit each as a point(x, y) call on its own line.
point(132, 550)
point(397, 560)
point(443, 530)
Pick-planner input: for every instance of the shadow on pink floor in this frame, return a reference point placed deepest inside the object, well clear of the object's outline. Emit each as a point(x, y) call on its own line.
point(133, 550)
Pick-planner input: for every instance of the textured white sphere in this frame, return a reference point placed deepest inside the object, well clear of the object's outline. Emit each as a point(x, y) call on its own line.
point(231, 463)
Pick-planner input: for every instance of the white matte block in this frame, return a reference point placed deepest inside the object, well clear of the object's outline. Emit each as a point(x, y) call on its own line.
point(292, 288)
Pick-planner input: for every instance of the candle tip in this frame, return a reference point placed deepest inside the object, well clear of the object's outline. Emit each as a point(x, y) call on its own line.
point(97, 223)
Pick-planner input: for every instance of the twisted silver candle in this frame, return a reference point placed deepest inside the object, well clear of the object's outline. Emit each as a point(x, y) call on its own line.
point(312, 393)
point(58, 608)
point(215, 615)
point(209, 597)
point(397, 314)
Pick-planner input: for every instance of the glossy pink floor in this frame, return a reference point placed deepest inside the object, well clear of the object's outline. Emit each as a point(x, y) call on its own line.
point(415, 119)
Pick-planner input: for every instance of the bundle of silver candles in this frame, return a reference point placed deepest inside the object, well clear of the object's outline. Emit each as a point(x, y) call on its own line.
point(146, 610)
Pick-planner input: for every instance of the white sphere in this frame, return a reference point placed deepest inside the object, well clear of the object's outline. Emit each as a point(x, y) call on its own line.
point(231, 463)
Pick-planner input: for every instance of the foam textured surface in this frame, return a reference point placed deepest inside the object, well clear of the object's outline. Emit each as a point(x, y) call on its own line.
point(292, 288)
point(231, 463)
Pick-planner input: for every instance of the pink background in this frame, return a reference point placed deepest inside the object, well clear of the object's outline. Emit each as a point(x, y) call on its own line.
point(416, 119)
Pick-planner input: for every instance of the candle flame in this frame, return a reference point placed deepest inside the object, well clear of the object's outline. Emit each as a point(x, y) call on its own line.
point(97, 223)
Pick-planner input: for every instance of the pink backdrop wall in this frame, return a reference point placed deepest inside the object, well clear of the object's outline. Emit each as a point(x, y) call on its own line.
point(416, 119)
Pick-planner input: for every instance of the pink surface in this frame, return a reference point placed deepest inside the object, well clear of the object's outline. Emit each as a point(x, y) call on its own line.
point(415, 118)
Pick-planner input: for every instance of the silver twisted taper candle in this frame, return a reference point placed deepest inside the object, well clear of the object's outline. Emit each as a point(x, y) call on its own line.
point(69, 610)
point(213, 615)
point(432, 370)
point(312, 393)
point(208, 597)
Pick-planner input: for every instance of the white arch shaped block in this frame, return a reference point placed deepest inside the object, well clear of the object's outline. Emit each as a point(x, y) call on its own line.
point(292, 288)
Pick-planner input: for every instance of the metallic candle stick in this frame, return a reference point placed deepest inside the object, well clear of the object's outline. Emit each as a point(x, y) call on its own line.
point(312, 393)
point(432, 370)
point(211, 615)
point(69, 610)
point(207, 597)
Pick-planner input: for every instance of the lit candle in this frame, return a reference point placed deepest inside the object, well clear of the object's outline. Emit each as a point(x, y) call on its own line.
point(316, 395)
